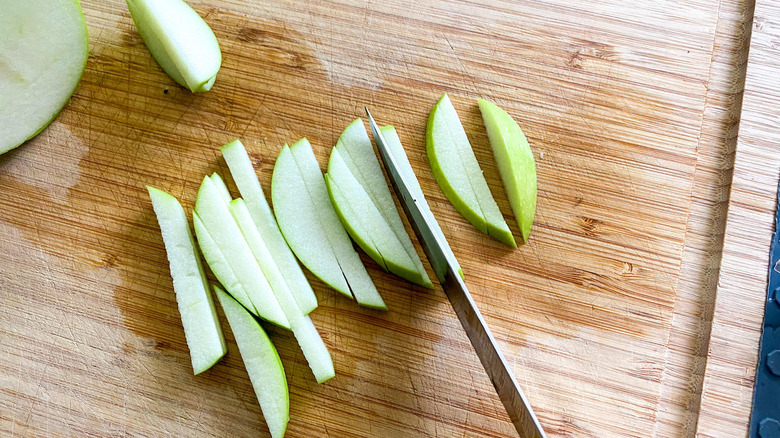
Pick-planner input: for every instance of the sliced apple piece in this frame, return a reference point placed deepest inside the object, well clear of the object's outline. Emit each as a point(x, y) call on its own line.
point(355, 169)
point(306, 334)
point(457, 171)
point(246, 179)
point(393, 143)
point(212, 210)
point(262, 363)
point(515, 163)
point(221, 187)
point(312, 228)
point(196, 307)
point(179, 40)
point(43, 53)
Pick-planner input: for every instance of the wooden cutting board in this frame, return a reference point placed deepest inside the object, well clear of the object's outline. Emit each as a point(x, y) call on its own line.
point(631, 109)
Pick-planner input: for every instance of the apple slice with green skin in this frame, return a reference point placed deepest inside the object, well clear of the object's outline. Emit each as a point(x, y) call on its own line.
point(393, 143)
point(365, 223)
point(262, 363)
point(246, 179)
point(214, 213)
point(43, 53)
point(515, 163)
point(355, 169)
point(457, 171)
point(221, 187)
point(179, 40)
point(198, 314)
point(311, 343)
point(312, 228)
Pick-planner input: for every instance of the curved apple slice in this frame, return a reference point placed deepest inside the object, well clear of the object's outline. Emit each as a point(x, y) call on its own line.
point(43, 53)
point(393, 143)
point(515, 163)
point(262, 363)
point(198, 314)
point(245, 177)
point(179, 40)
point(312, 228)
point(457, 171)
point(222, 228)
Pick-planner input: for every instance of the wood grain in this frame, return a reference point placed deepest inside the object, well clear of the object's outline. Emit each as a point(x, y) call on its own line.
point(628, 107)
point(741, 295)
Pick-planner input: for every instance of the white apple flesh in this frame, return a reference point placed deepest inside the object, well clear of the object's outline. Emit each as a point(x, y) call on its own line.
point(246, 179)
point(196, 306)
point(213, 211)
point(179, 40)
point(43, 53)
point(312, 228)
point(262, 363)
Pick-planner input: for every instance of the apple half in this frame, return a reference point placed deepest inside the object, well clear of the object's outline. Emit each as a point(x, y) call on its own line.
point(362, 199)
point(262, 363)
point(312, 228)
point(393, 143)
point(457, 171)
point(179, 40)
point(515, 163)
point(198, 314)
point(43, 53)
point(229, 256)
point(246, 179)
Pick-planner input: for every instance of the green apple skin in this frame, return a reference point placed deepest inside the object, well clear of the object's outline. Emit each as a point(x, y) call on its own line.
point(354, 167)
point(365, 223)
point(39, 67)
point(306, 334)
point(457, 171)
point(312, 228)
point(246, 179)
point(262, 363)
point(393, 143)
point(179, 40)
point(223, 229)
point(198, 314)
point(515, 163)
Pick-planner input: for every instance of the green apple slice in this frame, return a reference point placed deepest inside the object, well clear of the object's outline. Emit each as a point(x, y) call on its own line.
point(179, 40)
point(198, 314)
point(364, 222)
point(515, 163)
point(312, 228)
point(43, 53)
point(393, 143)
point(222, 228)
point(246, 179)
point(221, 187)
point(353, 162)
point(311, 343)
point(458, 173)
point(262, 363)
point(219, 265)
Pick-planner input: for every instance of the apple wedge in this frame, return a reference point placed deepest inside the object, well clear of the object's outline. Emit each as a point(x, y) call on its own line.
point(179, 40)
point(214, 214)
point(457, 171)
point(311, 343)
point(312, 228)
point(515, 163)
point(366, 207)
point(393, 143)
point(198, 314)
point(246, 179)
point(262, 363)
point(43, 53)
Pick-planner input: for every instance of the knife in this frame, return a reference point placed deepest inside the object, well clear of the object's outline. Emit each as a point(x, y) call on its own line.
point(443, 264)
point(765, 415)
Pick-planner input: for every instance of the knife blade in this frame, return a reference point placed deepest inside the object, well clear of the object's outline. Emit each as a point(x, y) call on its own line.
point(516, 404)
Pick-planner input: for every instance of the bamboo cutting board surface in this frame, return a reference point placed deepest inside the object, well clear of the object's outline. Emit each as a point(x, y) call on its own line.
point(630, 108)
